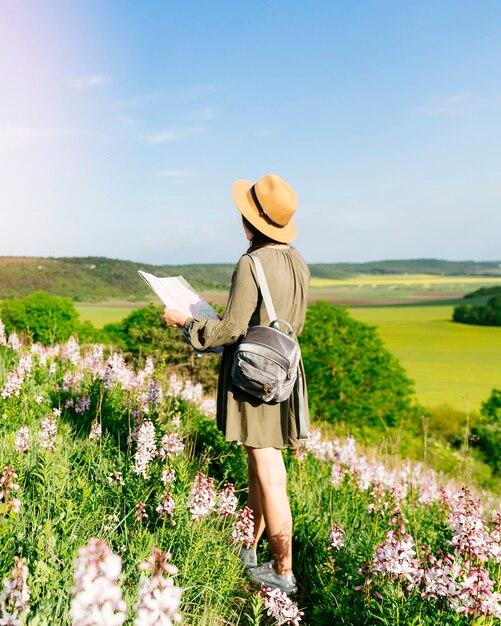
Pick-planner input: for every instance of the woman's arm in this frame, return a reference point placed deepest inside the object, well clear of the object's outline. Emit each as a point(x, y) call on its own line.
point(242, 303)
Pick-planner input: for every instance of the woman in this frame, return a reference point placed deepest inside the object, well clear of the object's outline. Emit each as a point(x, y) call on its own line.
point(267, 208)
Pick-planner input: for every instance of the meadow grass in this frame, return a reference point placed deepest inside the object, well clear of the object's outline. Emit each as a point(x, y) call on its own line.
point(69, 492)
point(454, 364)
point(101, 314)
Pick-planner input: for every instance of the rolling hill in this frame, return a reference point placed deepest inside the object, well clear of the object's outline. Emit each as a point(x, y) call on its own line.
point(98, 279)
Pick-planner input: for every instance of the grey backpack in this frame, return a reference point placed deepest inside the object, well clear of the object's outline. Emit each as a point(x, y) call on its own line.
point(266, 360)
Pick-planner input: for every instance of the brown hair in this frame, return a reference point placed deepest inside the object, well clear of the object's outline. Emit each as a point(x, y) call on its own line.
point(258, 238)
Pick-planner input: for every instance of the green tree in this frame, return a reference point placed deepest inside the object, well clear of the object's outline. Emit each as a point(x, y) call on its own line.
point(487, 431)
point(351, 375)
point(45, 318)
point(481, 314)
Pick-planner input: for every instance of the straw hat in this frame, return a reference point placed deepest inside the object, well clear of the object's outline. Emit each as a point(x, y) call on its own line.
point(268, 205)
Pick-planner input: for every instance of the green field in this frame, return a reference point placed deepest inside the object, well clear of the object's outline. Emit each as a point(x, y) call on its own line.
point(454, 364)
point(102, 314)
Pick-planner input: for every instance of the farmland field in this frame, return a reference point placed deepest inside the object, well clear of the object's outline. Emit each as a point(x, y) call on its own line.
point(451, 363)
point(396, 288)
point(101, 314)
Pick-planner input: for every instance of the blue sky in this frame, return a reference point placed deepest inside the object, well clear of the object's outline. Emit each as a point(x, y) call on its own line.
point(123, 125)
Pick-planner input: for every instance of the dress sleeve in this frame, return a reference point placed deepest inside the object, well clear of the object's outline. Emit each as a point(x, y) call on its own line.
point(242, 302)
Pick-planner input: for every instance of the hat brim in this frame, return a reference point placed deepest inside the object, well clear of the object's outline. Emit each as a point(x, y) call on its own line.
point(242, 197)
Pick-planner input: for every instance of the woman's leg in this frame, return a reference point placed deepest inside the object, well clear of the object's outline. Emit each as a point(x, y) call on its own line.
point(269, 469)
point(254, 501)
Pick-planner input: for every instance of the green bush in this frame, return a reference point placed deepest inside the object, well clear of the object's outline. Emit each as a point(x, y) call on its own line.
point(482, 314)
point(487, 432)
point(47, 319)
point(44, 318)
point(351, 375)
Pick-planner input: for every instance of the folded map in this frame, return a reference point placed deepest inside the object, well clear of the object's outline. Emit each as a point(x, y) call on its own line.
point(177, 293)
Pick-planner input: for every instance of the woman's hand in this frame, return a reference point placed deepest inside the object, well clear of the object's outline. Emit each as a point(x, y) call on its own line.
point(174, 318)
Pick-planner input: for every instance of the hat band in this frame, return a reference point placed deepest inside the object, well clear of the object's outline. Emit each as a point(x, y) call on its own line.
point(262, 212)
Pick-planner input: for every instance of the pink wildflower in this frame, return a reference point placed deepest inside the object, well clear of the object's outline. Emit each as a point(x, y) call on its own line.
point(14, 600)
point(170, 445)
point(12, 386)
point(159, 597)
point(166, 507)
point(14, 343)
point(337, 474)
point(208, 406)
point(8, 484)
point(470, 532)
point(175, 386)
point(202, 497)
point(280, 607)
point(22, 440)
point(243, 527)
point(336, 537)
point(149, 366)
point(168, 476)
point(71, 351)
point(82, 405)
point(300, 453)
point(140, 513)
point(146, 448)
point(116, 477)
point(477, 595)
point(48, 434)
point(97, 598)
point(191, 392)
point(395, 557)
point(227, 502)
point(67, 381)
point(95, 430)
point(441, 579)
point(25, 365)
point(3, 337)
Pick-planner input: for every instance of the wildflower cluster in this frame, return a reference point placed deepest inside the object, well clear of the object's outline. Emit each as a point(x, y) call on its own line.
point(202, 496)
point(22, 441)
point(15, 597)
point(159, 597)
point(8, 485)
point(48, 434)
point(97, 598)
point(336, 537)
point(280, 607)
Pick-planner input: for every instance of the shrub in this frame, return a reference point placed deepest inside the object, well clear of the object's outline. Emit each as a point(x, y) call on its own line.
point(482, 314)
point(351, 375)
point(45, 318)
point(487, 431)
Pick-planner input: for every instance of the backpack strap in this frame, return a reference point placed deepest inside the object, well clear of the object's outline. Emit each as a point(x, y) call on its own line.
point(263, 286)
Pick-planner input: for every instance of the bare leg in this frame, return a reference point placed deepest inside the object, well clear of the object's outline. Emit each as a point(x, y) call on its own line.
point(271, 477)
point(254, 502)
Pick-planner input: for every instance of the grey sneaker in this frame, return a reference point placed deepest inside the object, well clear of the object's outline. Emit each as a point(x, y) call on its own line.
point(248, 557)
point(267, 575)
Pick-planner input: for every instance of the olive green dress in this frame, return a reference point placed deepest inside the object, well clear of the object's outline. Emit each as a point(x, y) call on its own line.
point(242, 417)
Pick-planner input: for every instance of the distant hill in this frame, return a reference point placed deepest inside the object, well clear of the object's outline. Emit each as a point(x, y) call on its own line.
point(413, 266)
point(88, 279)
